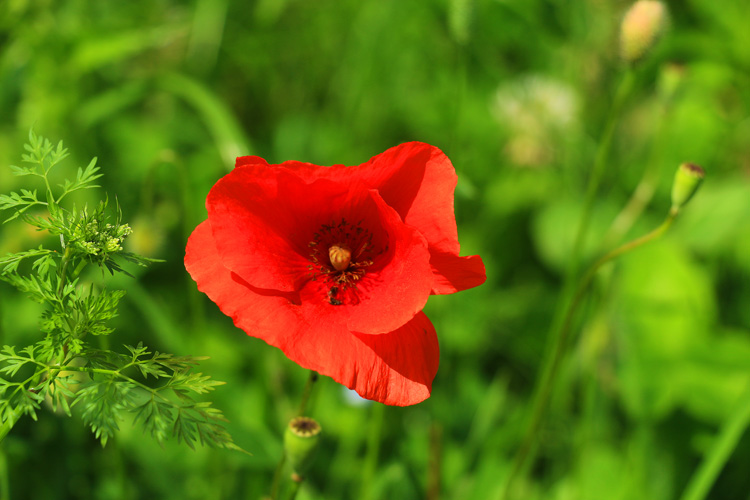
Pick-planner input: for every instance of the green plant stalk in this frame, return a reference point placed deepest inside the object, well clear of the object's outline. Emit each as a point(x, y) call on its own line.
point(552, 361)
point(294, 487)
point(624, 89)
point(53, 371)
point(730, 434)
point(64, 270)
point(306, 392)
point(646, 186)
point(4, 479)
point(373, 450)
point(565, 305)
point(276, 482)
point(5, 428)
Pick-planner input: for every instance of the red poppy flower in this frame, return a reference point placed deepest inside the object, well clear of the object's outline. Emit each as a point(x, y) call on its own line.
point(333, 265)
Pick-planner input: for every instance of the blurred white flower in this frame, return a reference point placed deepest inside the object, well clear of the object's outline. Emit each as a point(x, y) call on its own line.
point(535, 110)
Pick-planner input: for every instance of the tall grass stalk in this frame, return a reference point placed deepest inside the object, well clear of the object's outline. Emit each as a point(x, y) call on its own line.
point(703, 479)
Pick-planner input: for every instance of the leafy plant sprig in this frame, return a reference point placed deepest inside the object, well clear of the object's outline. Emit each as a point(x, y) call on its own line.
point(62, 369)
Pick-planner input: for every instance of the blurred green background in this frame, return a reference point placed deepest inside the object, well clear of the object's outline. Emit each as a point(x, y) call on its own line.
point(166, 93)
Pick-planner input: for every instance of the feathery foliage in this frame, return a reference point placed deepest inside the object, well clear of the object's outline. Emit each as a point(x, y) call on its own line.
point(157, 390)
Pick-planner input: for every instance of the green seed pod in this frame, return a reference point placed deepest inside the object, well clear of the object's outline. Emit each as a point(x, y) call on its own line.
point(300, 442)
point(687, 180)
point(641, 27)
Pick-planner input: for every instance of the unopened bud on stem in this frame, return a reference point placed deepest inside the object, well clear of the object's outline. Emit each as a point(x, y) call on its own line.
point(641, 27)
point(300, 442)
point(687, 180)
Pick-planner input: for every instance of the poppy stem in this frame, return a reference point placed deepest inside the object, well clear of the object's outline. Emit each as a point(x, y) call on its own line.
point(373, 450)
point(294, 487)
point(554, 357)
point(275, 484)
point(306, 393)
point(277, 477)
point(600, 166)
point(567, 306)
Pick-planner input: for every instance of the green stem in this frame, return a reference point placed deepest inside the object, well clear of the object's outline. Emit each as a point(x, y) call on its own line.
point(277, 477)
point(622, 92)
point(646, 186)
point(306, 392)
point(115, 373)
point(554, 357)
point(730, 434)
point(64, 270)
point(600, 162)
point(295, 486)
point(5, 428)
point(597, 172)
point(373, 450)
point(4, 479)
point(565, 305)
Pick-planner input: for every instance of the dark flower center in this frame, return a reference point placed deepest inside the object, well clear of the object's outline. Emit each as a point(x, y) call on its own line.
point(339, 255)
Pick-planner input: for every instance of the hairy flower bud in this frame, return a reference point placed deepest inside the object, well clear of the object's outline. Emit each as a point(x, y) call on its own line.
point(687, 180)
point(641, 27)
point(300, 442)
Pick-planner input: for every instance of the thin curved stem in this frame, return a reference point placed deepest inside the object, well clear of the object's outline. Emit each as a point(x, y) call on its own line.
point(730, 434)
point(294, 487)
point(276, 482)
point(373, 450)
point(624, 89)
point(306, 393)
point(278, 472)
point(561, 337)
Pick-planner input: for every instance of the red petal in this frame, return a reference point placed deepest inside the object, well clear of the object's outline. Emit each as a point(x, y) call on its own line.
point(249, 160)
point(414, 178)
point(395, 368)
point(260, 313)
point(418, 181)
point(263, 218)
point(396, 287)
point(403, 364)
point(453, 274)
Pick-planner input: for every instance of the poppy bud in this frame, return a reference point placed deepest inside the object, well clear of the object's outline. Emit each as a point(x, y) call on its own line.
point(642, 25)
point(300, 442)
point(340, 257)
point(687, 180)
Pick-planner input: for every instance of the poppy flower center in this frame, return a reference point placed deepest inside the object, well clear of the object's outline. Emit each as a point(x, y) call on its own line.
point(340, 257)
point(340, 254)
